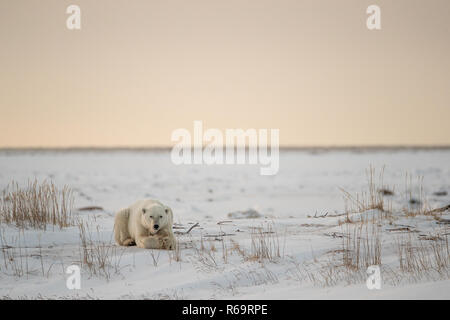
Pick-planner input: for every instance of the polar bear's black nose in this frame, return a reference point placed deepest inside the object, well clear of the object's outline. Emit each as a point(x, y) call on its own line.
point(156, 226)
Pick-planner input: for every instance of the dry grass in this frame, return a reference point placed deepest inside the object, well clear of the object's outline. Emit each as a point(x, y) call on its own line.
point(424, 258)
point(416, 202)
point(265, 244)
point(169, 295)
point(176, 254)
point(255, 276)
point(251, 275)
point(36, 205)
point(15, 257)
point(361, 246)
point(40, 296)
point(370, 198)
point(98, 257)
point(205, 256)
point(155, 257)
point(420, 256)
point(329, 272)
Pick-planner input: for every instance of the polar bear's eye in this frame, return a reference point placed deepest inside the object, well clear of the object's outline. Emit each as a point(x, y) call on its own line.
point(143, 210)
point(167, 210)
point(160, 216)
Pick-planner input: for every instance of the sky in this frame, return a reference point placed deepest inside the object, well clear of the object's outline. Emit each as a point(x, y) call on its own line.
point(138, 70)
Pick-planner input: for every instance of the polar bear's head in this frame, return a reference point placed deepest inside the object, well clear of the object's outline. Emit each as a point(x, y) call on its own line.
point(156, 217)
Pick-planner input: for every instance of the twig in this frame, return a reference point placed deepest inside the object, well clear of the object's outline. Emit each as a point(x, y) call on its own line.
point(192, 227)
point(438, 210)
point(336, 235)
point(225, 221)
point(223, 234)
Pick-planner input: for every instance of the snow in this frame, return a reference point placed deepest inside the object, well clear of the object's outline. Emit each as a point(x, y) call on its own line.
point(301, 204)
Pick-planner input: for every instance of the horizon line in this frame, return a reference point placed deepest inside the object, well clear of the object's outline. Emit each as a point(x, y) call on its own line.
point(281, 147)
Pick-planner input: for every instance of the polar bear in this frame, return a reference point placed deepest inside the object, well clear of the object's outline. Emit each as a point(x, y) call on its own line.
point(147, 223)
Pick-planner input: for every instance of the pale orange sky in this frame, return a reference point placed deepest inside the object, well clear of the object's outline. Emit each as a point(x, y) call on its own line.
point(137, 70)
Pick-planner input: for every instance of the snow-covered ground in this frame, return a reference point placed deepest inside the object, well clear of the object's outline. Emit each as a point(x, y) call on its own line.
point(300, 220)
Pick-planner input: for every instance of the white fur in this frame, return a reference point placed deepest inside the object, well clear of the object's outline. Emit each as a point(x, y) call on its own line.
point(133, 225)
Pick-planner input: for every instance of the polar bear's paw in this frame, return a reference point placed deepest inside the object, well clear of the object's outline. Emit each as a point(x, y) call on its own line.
point(168, 243)
point(128, 242)
point(154, 242)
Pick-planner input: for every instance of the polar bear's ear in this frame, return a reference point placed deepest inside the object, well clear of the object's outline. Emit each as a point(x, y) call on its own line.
point(144, 210)
point(167, 210)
